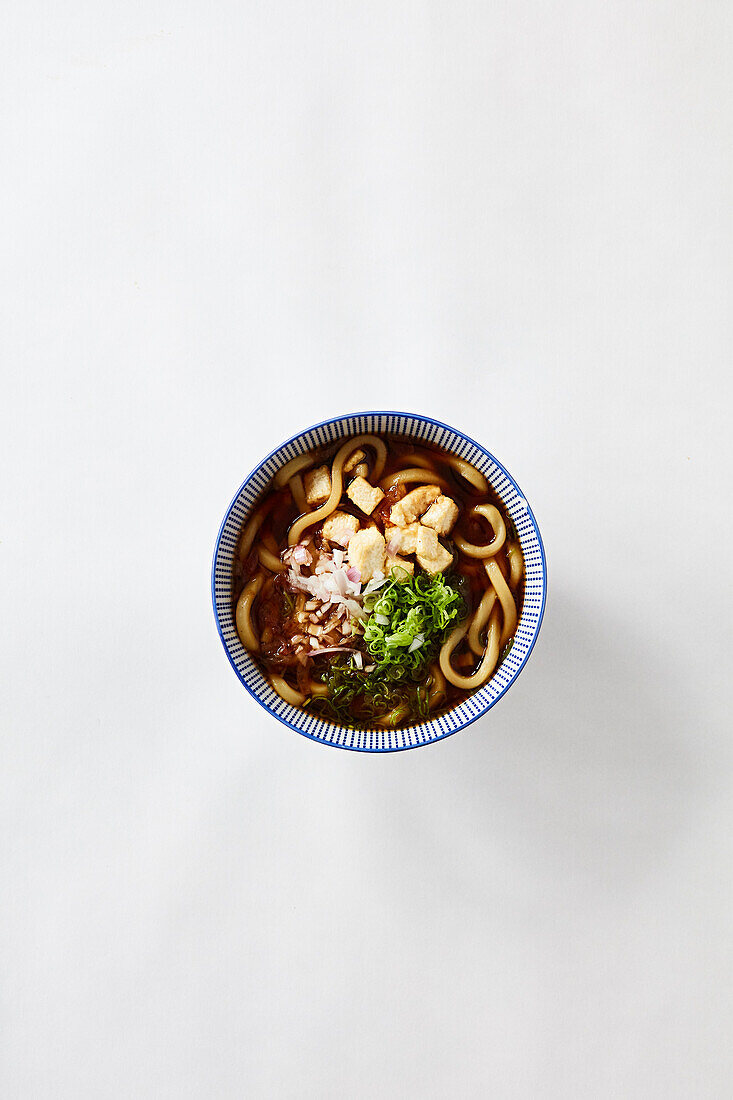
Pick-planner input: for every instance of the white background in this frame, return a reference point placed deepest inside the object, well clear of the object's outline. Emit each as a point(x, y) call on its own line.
point(222, 223)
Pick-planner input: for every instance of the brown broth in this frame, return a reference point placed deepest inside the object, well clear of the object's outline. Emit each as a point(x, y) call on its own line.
point(273, 611)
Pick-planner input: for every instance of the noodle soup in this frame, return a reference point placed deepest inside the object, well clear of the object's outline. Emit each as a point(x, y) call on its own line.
point(378, 582)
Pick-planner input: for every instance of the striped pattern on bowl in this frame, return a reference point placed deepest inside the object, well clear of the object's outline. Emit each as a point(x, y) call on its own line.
point(381, 740)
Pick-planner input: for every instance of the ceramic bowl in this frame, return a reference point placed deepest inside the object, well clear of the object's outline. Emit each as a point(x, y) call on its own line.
point(417, 428)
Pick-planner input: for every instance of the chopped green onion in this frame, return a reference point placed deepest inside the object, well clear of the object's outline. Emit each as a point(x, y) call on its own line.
point(409, 619)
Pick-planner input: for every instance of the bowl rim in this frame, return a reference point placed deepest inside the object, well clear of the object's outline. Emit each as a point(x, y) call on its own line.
point(472, 718)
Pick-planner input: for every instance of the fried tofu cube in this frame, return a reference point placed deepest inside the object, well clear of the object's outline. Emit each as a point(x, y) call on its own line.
point(441, 515)
point(353, 460)
point(367, 552)
point(339, 527)
point(412, 506)
point(403, 538)
point(318, 485)
point(402, 565)
point(433, 557)
point(364, 495)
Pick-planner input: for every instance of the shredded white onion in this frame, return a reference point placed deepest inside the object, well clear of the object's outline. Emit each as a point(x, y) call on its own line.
point(329, 582)
point(356, 609)
point(376, 582)
point(333, 649)
point(416, 642)
point(342, 581)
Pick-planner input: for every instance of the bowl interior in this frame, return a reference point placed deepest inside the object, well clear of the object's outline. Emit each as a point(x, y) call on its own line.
point(417, 428)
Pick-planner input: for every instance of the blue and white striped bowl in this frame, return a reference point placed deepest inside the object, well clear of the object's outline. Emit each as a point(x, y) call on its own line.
point(417, 428)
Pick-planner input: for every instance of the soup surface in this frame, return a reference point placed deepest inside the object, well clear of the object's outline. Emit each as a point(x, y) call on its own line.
point(378, 582)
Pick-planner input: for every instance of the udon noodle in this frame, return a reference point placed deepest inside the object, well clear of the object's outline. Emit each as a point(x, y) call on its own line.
point(378, 581)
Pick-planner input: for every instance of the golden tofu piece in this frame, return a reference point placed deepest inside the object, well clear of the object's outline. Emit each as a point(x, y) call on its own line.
point(402, 565)
point(412, 506)
point(441, 515)
point(367, 552)
point(404, 538)
point(339, 527)
point(433, 557)
point(318, 485)
point(364, 495)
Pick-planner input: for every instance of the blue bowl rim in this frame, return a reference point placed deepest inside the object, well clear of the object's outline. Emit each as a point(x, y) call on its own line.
point(473, 718)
